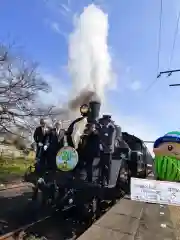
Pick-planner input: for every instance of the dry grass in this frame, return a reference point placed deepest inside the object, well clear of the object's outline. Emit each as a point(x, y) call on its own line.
point(11, 170)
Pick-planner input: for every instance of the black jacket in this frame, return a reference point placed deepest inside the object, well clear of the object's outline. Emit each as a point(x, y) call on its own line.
point(39, 135)
point(55, 141)
point(107, 136)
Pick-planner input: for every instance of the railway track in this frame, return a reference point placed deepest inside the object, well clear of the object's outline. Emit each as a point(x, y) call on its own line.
point(55, 225)
point(40, 226)
point(21, 233)
point(16, 186)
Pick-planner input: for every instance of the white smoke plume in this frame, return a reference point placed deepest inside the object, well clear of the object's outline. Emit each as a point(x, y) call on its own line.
point(89, 60)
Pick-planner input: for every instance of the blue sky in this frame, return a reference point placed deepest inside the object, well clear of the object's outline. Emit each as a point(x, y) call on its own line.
point(40, 30)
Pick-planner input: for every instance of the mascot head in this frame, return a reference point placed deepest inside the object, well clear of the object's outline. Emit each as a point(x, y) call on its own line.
point(167, 157)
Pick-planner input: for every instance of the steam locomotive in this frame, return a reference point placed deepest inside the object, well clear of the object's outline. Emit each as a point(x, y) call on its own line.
point(90, 165)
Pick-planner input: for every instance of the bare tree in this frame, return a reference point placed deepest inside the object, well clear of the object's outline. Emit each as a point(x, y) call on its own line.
point(20, 84)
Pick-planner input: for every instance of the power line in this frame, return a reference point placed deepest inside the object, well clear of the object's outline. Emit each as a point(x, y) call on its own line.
point(175, 38)
point(169, 73)
point(159, 44)
point(174, 85)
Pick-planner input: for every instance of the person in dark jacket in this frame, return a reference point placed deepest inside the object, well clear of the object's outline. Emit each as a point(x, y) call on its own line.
point(54, 142)
point(39, 138)
point(107, 135)
point(89, 149)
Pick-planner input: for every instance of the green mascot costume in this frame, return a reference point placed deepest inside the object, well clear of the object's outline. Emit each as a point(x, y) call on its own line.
point(167, 157)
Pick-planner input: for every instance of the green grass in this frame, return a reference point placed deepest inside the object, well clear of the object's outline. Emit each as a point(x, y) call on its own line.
point(13, 170)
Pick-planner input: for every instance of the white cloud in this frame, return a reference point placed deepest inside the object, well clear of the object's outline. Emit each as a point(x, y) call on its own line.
point(59, 92)
point(56, 28)
point(128, 69)
point(66, 8)
point(135, 85)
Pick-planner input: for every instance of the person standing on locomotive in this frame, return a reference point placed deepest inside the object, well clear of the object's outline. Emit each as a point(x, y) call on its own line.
point(39, 138)
point(54, 142)
point(107, 134)
point(90, 144)
point(90, 148)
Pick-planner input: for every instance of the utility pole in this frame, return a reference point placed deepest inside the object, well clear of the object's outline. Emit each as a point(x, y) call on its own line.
point(169, 73)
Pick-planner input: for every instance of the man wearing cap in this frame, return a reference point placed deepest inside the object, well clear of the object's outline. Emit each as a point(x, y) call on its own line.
point(107, 142)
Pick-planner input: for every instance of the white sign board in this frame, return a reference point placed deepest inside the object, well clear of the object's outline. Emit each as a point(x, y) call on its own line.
point(152, 191)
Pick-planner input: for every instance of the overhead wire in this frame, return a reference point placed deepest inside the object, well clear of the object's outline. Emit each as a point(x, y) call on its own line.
point(174, 41)
point(159, 44)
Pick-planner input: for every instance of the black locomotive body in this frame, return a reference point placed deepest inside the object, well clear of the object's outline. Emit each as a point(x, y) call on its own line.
point(140, 154)
point(96, 175)
point(102, 151)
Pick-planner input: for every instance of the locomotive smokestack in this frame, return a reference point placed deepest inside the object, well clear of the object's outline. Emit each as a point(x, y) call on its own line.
point(94, 110)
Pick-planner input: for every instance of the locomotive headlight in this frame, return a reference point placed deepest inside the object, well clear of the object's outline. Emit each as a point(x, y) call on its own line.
point(84, 109)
